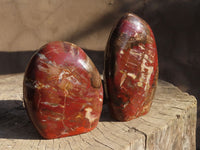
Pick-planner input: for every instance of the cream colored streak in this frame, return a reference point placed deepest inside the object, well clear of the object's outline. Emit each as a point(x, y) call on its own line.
point(122, 51)
point(141, 46)
point(52, 104)
point(132, 75)
point(43, 69)
point(42, 56)
point(84, 64)
point(40, 85)
point(123, 78)
point(89, 116)
point(100, 99)
point(149, 72)
point(61, 75)
point(135, 53)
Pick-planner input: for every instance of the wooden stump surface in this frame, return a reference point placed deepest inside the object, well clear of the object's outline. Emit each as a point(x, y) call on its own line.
point(170, 124)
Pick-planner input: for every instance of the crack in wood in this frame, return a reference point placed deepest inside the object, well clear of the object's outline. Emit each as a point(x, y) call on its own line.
point(148, 123)
point(120, 137)
point(177, 108)
point(85, 141)
point(69, 145)
point(53, 144)
point(178, 116)
point(102, 143)
point(59, 146)
point(164, 114)
point(143, 133)
point(119, 126)
point(107, 137)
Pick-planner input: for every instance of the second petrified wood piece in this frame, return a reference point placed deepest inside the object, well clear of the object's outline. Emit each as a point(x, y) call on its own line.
point(131, 68)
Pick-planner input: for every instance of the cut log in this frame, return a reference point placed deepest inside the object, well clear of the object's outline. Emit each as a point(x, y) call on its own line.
point(170, 124)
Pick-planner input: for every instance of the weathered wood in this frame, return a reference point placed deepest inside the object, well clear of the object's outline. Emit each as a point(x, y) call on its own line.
point(171, 124)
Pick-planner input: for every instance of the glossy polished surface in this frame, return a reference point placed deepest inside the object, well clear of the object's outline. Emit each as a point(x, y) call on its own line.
point(131, 68)
point(63, 93)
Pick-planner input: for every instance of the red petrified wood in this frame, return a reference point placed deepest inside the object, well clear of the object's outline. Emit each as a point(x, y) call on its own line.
point(131, 68)
point(63, 93)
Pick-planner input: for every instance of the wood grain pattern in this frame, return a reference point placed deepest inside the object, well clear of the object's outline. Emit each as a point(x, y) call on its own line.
point(170, 124)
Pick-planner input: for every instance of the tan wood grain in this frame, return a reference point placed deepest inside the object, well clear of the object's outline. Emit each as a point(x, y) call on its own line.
point(170, 124)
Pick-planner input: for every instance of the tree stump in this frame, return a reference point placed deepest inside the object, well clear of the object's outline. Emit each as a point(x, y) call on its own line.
point(170, 124)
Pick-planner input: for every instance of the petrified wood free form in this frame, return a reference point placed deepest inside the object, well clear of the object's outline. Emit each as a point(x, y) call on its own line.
point(63, 92)
point(170, 124)
point(131, 68)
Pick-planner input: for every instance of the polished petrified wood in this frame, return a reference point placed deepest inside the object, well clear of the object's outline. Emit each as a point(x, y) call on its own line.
point(63, 93)
point(131, 68)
